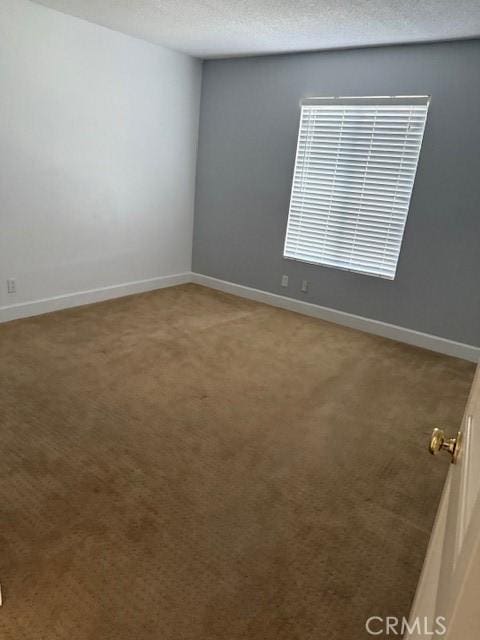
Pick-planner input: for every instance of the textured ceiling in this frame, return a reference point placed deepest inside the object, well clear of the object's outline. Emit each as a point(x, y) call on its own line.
point(220, 28)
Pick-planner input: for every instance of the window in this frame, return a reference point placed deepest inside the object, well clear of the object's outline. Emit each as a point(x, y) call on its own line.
point(353, 179)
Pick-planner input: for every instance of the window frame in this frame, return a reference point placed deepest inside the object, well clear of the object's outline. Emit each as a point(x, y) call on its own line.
point(345, 101)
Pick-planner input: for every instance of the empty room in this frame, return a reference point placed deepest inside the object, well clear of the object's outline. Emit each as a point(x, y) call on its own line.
point(239, 319)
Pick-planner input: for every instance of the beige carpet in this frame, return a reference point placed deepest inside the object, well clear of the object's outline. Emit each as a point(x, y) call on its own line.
point(187, 465)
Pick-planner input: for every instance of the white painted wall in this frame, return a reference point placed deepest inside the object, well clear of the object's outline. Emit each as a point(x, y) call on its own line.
point(98, 141)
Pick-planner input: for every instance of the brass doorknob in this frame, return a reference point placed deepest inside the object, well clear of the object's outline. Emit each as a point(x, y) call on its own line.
point(439, 442)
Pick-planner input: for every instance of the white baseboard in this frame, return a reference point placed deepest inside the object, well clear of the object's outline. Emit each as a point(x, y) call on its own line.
point(36, 307)
point(409, 336)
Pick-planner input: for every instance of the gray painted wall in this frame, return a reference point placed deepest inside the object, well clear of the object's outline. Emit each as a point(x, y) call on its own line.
point(248, 131)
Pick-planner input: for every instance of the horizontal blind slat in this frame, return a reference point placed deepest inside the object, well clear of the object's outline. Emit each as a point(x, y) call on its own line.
point(345, 244)
point(367, 235)
point(326, 169)
point(324, 162)
point(361, 199)
point(353, 188)
point(370, 211)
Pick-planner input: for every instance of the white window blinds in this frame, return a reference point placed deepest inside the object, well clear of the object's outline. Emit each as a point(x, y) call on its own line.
point(353, 179)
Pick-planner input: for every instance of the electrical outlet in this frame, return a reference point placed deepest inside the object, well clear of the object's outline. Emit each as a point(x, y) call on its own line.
point(284, 281)
point(11, 286)
point(304, 286)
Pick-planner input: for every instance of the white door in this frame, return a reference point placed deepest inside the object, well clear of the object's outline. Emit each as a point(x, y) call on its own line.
point(447, 602)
